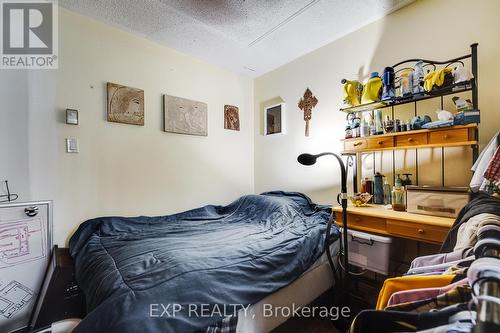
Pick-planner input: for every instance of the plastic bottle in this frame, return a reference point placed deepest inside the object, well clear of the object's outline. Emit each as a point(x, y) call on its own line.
point(406, 82)
point(378, 189)
point(418, 78)
point(352, 92)
point(379, 124)
point(388, 91)
point(387, 192)
point(372, 90)
point(348, 132)
point(365, 128)
point(398, 196)
point(355, 126)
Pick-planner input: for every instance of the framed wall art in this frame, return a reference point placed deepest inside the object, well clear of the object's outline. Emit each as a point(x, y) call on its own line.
point(185, 116)
point(274, 119)
point(231, 117)
point(125, 104)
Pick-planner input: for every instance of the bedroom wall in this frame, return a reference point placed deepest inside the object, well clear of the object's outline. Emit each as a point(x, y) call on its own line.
point(28, 157)
point(14, 128)
point(121, 169)
point(437, 30)
point(133, 170)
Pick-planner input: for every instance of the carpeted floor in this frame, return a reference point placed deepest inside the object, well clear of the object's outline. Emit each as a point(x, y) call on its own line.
point(306, 325)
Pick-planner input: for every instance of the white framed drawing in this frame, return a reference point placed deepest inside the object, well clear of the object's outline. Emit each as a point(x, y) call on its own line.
point(274, 119)
point(25, 251)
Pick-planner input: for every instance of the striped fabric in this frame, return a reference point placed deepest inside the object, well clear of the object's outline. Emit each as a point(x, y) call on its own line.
point(226, 325)
point(458, 294)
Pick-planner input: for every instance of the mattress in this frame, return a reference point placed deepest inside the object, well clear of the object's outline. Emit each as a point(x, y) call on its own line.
point(316, 280)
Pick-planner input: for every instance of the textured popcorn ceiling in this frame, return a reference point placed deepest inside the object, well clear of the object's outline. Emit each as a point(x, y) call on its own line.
point(249, 37)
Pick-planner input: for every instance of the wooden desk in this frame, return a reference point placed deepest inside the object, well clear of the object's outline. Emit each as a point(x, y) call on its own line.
point(379, 220)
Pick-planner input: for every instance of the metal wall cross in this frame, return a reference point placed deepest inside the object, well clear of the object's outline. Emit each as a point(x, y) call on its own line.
point(306, 104)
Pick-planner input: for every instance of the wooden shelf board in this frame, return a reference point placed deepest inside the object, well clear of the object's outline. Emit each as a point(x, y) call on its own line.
point(382, 105)
point(382, 212)
point(413, 132)
point(430, 145)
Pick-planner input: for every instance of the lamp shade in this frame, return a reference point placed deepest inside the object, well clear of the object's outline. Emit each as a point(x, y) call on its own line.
point(307, 159)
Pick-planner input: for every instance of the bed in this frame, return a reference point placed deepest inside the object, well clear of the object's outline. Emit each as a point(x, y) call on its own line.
point(209, 269)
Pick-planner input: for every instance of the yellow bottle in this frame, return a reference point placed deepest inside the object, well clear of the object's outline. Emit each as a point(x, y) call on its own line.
point(372, 89)
point(352, 92)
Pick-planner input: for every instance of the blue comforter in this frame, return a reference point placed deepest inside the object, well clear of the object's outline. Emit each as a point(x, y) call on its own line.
point(168, 273)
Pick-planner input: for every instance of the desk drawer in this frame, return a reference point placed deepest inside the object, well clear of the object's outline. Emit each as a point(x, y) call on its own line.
point(417, 231)
point(411, 140)
point(450, 136)
point(355, 220)
point(355, 145)
point(384, 142)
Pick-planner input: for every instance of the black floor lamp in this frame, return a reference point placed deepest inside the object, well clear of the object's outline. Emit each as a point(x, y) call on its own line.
point(308, 159)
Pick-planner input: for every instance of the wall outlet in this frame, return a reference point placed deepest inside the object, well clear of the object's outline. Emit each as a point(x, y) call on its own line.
point(72, 145)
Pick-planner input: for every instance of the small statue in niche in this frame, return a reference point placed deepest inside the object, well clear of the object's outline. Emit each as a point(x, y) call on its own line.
point(306, 104)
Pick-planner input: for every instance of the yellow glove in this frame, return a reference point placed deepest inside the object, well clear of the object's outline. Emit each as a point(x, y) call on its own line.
point(436, 78)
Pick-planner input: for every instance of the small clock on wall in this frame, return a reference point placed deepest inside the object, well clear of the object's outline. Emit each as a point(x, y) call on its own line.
point(71, 117)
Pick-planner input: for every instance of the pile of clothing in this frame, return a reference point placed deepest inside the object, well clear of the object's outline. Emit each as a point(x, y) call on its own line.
point(487, 169)
point(437, 293)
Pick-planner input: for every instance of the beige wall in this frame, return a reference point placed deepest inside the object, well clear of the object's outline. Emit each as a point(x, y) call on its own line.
point(14, 117)
point(440, 30)
point(132, 170)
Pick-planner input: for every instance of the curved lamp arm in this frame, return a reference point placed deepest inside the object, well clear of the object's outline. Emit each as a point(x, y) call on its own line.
point(309, 159)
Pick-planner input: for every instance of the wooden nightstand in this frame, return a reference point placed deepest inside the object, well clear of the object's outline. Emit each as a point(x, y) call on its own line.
point(379, 220)
point(60, 297)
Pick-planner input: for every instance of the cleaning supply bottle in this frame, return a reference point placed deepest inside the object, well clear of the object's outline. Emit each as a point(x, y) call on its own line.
point(372, 89)
point(352, 92)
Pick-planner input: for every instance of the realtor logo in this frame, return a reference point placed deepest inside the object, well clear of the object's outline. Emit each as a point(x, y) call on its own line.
point(28, 34)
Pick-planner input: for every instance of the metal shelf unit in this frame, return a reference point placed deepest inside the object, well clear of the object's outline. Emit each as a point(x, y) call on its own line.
point(353, 156)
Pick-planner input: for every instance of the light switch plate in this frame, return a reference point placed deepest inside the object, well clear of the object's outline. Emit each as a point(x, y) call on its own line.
point(72, 145)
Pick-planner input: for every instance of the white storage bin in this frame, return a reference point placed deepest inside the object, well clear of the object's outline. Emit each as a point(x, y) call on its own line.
point(368, 251)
